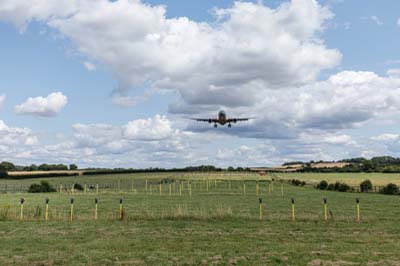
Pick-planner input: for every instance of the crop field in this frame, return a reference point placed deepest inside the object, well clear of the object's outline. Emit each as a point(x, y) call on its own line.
point(192, 221)
point(353, 179)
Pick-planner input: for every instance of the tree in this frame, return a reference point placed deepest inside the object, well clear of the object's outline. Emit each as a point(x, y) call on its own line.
point(366, 185)
point(7, 166)
point(3, 174)
point(73, 167)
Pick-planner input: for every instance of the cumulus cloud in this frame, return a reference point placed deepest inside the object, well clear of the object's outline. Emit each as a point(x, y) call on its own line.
point(43, 106)
point(393, 72)
point(398, 22)
point(249, 47)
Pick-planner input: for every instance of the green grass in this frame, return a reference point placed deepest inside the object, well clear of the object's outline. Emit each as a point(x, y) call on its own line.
point(354, 179)
point(216, 227)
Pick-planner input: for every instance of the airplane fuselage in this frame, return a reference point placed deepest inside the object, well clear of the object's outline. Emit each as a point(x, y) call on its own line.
point(222, 117)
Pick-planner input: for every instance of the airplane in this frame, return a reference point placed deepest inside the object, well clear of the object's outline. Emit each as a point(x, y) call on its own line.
point(222, 119)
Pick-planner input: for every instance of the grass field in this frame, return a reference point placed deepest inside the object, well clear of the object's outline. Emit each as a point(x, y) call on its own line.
point(354, 179)
point(220, 226)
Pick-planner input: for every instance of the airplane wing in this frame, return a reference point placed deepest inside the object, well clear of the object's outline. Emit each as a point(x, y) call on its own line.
point(209, 120)
point(234, 120)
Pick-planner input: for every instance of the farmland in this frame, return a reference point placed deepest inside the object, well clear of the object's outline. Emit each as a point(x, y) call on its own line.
point(353, 179)
point(195, 226)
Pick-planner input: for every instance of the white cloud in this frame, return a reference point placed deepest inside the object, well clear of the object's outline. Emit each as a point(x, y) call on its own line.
point(250, 47)
point(14, 136)
point(339, 139)
point(156, 128)
point(89, 66)
point(394, 72)
point(386, 137)
point(43, 106)
point(398, 22)
point(376, 20)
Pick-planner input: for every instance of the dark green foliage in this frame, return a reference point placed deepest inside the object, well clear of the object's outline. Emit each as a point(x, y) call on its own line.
point(3, 174)
point(337, 186)
point(390, 189)
point(343, 187)
point(42, 175)
point(50, 167)
point(366, 186)
point(296, 182)
point(43, 187)
point(322, 185)
point(7, 166)
point(78, 186)
point(73, 167)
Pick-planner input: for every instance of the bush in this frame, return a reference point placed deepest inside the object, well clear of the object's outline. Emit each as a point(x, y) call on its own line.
point(44, 186)
point(3, 174)
point(78, 186)
point(390, 189)
point(331, 187)
point(343, 187)
point(322, 185)
point(296, 182)
point(366, 185)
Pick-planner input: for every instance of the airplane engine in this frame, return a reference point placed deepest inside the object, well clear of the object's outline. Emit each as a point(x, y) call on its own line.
point(234, 120)
point(209, 121)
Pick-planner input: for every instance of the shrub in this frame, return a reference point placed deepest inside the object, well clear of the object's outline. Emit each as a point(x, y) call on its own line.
point(44, 186)
point(78, 186)
point(366, 185)
point(390, 189)
point(343, 187)
point(3, 174)
point(322, 185)
point(331, 187)
point(296, 182)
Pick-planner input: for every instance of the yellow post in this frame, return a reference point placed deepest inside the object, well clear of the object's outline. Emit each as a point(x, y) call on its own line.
point(282, 189)
point(61, 188)
point(97, 189)
point(72, 210)
point(257, 188)
point(120, 209)
point(146, 186)
point(85, 188)
point(260, 208)
point(160, 188)
point(244, 187)
point(325, 209)
point(96, 201)
point(22, 209)
point(269, 187)
point(190, 188)
point(358, 209)
point(46, 215)
point(180, 187)
point(170, 189)
point(73, 189)
point(292, 209)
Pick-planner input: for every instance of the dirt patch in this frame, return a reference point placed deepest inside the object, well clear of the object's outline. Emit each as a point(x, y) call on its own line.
point(319, 262)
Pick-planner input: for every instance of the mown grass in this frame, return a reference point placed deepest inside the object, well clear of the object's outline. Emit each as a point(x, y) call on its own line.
point(216, 227)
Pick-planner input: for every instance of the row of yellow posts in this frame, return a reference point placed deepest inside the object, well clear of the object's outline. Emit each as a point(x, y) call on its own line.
point(121, 210)
point(325, 203)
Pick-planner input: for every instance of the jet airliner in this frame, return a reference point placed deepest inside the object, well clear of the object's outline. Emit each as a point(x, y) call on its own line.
point(222, 119)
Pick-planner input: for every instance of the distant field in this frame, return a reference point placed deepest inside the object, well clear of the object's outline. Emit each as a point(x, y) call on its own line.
point(218, 226)
point(378, 179)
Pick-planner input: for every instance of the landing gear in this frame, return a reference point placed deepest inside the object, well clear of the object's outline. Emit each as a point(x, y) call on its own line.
point(229, 125)
point(215, 125)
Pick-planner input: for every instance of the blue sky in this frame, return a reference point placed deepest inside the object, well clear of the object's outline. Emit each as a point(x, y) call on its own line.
point(112, 83)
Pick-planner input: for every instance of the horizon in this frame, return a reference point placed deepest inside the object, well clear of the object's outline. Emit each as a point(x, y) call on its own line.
point(110, 84)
